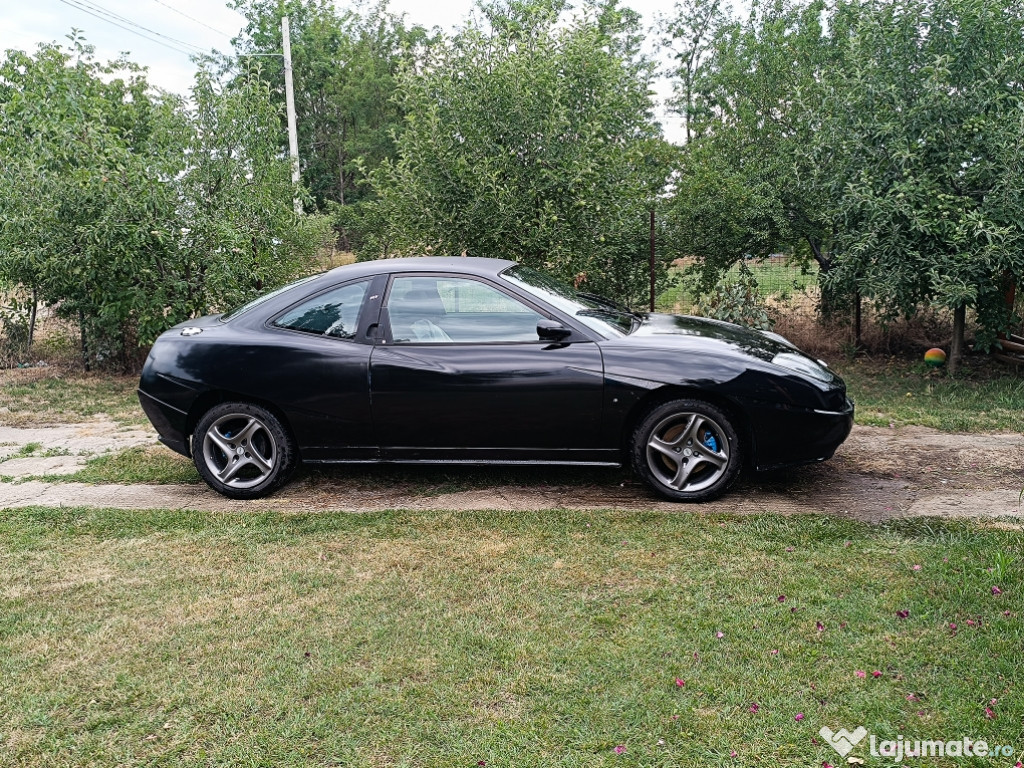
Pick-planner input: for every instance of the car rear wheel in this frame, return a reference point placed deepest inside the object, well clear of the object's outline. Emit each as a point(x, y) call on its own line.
point(242, 450)
point(686, 450)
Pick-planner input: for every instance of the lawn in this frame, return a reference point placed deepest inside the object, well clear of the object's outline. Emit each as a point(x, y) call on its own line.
point(528, 639)
point(38, 397)
point(984, 397)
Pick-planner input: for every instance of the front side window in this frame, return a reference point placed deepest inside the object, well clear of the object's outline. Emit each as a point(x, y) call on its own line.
point(457, 310)
point(335, 313)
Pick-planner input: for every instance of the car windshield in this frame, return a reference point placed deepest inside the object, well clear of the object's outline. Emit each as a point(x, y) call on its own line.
point(233, 313)
point(602, 315)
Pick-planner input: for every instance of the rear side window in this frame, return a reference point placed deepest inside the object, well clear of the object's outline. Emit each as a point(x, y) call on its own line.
point(335, 313)
point(233, 313)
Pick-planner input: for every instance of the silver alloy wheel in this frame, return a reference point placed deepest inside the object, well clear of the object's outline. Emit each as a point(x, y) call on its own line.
point(239, 450)
point(688, 452)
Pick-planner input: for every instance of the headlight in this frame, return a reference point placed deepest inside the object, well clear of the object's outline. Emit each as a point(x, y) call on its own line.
point(800, 364)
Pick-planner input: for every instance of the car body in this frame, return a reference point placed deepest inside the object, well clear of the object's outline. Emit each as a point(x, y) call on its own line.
point(481, 361)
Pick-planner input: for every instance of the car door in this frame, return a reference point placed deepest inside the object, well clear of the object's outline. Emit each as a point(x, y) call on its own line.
point(459, 373)
point(322, 370)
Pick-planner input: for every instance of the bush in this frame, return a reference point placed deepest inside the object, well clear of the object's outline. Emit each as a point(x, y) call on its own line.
point(737, 300)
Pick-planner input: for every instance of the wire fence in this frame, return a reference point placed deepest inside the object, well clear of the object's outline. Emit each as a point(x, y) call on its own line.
point(781, 281)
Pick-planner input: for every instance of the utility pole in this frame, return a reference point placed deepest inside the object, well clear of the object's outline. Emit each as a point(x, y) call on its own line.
point(652, 260)
point(289, 97)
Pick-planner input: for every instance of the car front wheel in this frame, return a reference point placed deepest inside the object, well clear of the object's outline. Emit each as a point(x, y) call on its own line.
point(242, 450)
point(686, 450)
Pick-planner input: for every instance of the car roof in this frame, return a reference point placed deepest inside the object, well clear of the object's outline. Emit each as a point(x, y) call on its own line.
point(466, 264)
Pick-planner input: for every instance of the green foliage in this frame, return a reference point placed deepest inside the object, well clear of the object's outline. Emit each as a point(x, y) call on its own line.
point(925, 140)
point(345, 65)
point(237, 232)
point(737, 300)
point(885, 140)
point(529, 138)
point(126, 211)
point(15, 325)
point(742, 188)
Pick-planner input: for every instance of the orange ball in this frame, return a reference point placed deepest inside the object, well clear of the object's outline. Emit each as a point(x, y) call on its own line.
point(935, 357)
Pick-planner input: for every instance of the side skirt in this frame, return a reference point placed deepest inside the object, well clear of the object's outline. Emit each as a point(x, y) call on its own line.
point(472, 462)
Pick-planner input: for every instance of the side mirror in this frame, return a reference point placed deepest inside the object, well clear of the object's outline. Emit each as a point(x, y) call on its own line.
point(552, 330)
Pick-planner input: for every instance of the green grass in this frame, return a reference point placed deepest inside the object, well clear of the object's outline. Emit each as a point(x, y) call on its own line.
point(164, 638)
point(156, 465)
point(898, 392)
point(150, 465)
point(28, 400)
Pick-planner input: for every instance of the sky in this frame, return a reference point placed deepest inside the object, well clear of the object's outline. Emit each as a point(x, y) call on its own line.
point(178, 27)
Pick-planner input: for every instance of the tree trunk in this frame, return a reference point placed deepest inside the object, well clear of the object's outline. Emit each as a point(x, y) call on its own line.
point(32, 321)
point(956, 349)
point(856, 321)
point(827, 300)
point(85, 349)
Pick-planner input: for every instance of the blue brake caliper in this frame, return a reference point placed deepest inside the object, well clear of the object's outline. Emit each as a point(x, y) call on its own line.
point(710, 442)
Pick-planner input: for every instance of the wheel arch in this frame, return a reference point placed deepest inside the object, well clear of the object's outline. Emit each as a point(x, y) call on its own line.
point(655, 397)
point(209, 399)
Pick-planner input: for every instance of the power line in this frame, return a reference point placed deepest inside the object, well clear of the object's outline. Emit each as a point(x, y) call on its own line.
point(83, 9)
point(98, 11)
point(193, 18)
point(107, 12)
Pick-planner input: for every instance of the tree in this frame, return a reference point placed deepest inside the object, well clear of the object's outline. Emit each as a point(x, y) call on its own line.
point(74, 215)
point(691, 34)
point(925, 141)
point(529, 135)
point(744, 187)
point(127, 212)
point(882, 139)
point(345, 65)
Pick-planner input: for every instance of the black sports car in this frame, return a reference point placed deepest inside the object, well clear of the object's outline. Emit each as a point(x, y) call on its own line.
point(482, 361)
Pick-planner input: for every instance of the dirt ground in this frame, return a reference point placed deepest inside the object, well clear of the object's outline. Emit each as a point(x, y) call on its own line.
point(878, 474)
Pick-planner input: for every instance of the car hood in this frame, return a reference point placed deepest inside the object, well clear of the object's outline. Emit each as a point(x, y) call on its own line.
point(666, 330)
point(700, 352)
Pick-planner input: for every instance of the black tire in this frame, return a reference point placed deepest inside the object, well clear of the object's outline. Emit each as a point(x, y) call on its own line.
point(242, 450)
point(686, 450)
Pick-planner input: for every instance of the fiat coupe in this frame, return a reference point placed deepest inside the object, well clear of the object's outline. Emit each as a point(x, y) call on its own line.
point(482, 361)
